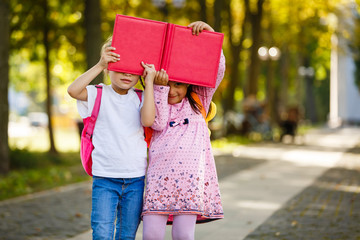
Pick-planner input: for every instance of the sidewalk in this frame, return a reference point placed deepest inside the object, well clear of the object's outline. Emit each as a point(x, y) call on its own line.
point(269, 191)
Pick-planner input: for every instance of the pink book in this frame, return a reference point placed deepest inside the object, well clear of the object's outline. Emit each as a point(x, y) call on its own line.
point(186, 58)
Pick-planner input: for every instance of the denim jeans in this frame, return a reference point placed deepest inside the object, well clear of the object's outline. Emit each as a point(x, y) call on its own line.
point(116, 204)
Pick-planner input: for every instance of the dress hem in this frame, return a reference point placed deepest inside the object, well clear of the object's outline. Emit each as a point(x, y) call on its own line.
point(200, 217)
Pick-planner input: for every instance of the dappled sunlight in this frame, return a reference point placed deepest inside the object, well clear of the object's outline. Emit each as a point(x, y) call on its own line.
point(340, 140)
point(257, 152)
point(258, 205)
point(319, 149)
point(302, 157)
point(24, 136)
point(341, 187)
point(312, 158)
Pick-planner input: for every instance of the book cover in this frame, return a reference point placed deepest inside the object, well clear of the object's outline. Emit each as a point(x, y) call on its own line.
point(186, 57)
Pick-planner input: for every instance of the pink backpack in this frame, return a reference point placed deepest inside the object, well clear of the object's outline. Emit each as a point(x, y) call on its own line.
point(86, 146)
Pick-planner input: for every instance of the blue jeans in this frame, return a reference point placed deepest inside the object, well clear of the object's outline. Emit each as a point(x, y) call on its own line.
point(116, 204)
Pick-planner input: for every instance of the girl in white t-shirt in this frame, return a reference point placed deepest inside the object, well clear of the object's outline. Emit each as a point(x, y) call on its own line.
point(120, 151)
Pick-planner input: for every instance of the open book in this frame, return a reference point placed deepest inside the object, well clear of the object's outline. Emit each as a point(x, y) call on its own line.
point(186, 57)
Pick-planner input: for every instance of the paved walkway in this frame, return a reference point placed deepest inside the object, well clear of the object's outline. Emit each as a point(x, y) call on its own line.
point(269, 191)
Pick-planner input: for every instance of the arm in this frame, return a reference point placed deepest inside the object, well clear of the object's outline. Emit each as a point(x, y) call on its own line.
point(148, 109)
point(161, 92)
point(205, 94)
point(77, 89)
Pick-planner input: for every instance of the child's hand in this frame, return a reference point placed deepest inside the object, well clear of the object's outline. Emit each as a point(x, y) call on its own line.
point(108, 56)
point(199, 26)
point(149, 72)
point(161, 78)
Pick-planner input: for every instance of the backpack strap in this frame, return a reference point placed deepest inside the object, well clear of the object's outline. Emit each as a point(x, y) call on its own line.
point(148, 131)
point(95, 112)
point(139, 93)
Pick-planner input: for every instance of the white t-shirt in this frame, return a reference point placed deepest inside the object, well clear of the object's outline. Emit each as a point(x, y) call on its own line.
point(120, 150)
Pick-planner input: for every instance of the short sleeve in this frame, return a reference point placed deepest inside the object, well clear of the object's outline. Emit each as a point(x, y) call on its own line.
point(85, 107)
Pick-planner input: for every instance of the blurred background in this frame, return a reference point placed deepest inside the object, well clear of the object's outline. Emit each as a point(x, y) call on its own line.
point(289, 64)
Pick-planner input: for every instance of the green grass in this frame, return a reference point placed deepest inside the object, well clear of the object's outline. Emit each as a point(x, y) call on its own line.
point(33, 169)
point(230, 142)
point(36, 171)
point(304, 128)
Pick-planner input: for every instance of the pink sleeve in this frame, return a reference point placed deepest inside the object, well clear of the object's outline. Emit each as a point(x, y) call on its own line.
point(205, 93)
point(161, 106)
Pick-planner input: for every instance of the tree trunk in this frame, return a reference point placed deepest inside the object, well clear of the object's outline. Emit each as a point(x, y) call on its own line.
point(236, 49)
point(284, 78)
point(218, 6)
point(254, 68)
point(48, 78)
point(203, 16)
point(310, 104)
point(234, 80)
point(4, 82)
point(93, 40)
point(272, 86)
point(270, 91)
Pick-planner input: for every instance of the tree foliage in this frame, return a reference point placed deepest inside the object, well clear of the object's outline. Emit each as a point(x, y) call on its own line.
point(356, 48)
point(300, 29)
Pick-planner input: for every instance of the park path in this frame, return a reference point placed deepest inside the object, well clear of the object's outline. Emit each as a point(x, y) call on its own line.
point(269, 191)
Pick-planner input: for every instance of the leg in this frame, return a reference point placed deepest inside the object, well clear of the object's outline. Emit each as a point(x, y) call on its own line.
point(104, 205)
point(184, 227)
point(130, 207)
point(154, 227)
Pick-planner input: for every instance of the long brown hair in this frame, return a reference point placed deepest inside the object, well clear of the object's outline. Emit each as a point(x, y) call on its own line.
point(196, 107)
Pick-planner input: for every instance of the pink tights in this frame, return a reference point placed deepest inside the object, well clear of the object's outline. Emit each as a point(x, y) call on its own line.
point(183, 227)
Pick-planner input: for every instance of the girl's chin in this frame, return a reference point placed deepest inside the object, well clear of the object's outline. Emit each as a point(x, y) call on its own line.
point(173, 101)
point(120, 89)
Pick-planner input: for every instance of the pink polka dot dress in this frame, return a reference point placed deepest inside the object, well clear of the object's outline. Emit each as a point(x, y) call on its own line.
point(181, 176)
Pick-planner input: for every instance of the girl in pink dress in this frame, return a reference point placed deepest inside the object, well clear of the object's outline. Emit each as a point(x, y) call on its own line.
point(181, 182)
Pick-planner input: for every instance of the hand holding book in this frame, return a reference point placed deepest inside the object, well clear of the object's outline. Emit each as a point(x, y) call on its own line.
point(161, 78)
point(149, 73)
point(108, 56)
point(199, 26)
